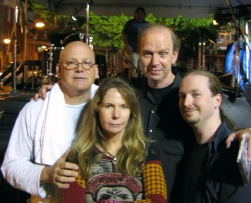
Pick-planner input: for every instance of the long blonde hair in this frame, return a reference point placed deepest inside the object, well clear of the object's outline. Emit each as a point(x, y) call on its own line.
point(131, 157)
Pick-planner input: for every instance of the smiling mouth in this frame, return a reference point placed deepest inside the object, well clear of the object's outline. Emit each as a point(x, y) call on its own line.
point(188, 112)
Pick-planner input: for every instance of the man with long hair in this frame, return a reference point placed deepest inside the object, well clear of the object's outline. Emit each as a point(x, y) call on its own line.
point(212, 173)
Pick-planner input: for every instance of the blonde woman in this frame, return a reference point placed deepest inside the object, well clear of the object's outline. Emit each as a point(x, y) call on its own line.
point(117, 163)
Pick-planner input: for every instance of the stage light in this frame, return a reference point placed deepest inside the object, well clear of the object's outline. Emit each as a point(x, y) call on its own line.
point(76, 22)
point(41, 48)
point(217, 19)
point(40, 24)
point(215, 22)
point(74, 18)
point(6, 41)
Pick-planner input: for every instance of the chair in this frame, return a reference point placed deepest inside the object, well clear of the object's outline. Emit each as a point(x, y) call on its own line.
point(237, 110)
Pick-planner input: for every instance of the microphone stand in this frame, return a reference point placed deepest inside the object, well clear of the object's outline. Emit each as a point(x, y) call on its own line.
point(87, 23)
point(88, 39)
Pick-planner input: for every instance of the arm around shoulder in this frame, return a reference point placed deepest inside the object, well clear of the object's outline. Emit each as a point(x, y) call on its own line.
point(237, 136)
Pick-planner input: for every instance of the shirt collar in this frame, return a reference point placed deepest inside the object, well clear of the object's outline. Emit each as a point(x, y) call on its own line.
point(221, 133)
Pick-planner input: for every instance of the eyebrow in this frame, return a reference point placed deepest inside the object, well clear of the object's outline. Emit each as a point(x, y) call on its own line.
point(74, 59)
point(194, 90)
point(162, 50)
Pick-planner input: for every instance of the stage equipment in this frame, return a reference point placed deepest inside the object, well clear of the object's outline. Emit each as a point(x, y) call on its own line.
point(49, 64)
point(35, 67)
point(100, 60)
point(87, 23)
point(18, 11)
point(45, 55)
point(201, 54)
point(14, 90)
point(75, 36)
point(78, 35)
point(238, 63)
point(140, 73)
point(7, 42)
point(238, 54)
point(247, 49)
point(76, 22)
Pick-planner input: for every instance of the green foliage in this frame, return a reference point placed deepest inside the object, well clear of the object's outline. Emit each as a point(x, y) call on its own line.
point(191, 32)
point(47, 15)
point(152, 19)
point(106, 30)
point(42, 11)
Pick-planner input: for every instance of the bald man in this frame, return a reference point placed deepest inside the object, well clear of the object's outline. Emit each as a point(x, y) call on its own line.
point(35, 158)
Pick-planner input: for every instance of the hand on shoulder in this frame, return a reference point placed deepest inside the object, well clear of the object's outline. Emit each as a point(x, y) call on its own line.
point(42, 92)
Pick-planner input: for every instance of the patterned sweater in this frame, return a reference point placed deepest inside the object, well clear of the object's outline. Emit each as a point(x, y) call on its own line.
point(106, 185)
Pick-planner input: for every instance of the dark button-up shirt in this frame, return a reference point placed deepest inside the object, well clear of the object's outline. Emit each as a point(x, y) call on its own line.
point(216, 178)
point(163, 122)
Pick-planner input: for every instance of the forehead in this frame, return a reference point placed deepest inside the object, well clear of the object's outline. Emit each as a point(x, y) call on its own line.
point(194, 82)
point(77, 50)
point(158, 38)
point(112, 94)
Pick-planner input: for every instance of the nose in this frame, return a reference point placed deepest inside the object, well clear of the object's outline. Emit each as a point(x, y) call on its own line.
point(187, 100)
point(116, 113)
point(79, 68)
point(155, 59)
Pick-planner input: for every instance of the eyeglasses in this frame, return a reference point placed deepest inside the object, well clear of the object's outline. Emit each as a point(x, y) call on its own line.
point(70, 65)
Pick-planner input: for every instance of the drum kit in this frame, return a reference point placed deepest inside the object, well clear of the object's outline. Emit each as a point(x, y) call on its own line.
point(109, 59)
point(45, 72)
point(114, 60)
point(50, 56)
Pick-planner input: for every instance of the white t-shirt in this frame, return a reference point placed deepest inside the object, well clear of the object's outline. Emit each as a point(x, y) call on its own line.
point(18, 167)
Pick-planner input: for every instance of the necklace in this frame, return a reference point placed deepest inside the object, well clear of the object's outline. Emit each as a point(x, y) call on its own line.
point(114, 157)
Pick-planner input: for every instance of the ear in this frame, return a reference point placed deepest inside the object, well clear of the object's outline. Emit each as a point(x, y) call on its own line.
point(96, 71)
point(58, 69)
point(175, 56)
point(218, 100)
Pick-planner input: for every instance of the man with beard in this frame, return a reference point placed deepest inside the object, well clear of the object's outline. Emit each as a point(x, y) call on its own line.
point(212, 174)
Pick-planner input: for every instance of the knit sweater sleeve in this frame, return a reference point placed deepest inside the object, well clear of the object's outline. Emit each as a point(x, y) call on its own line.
point(153, 178)
point(153, 182)
point(76, 192)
